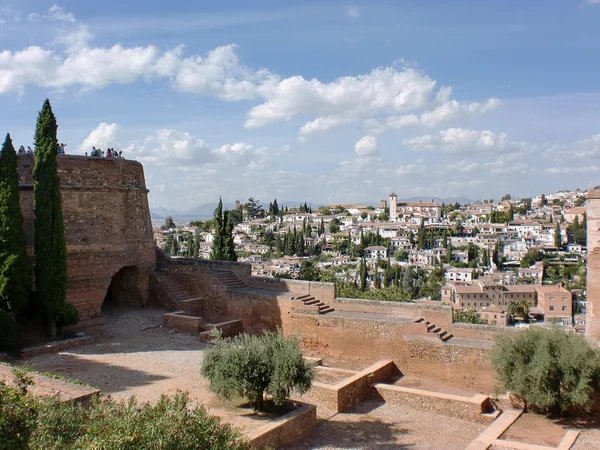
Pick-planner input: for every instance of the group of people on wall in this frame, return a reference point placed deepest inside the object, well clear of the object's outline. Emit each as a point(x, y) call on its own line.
point(96, 152)
point(110, 153)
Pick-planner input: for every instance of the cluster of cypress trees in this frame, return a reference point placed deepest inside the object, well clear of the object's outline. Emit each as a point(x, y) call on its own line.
point(223, 248)
point(49, 237)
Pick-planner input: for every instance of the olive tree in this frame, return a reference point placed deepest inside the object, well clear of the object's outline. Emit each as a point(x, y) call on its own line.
point(551, 370)
point(251, 366)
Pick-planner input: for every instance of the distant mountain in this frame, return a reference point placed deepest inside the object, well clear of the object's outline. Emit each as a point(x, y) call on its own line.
point(205, 211)
point(440, 200)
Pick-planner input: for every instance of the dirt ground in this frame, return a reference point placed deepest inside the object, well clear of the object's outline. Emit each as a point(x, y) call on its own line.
point(380, 426)
point(534, 429)
point(134, 355)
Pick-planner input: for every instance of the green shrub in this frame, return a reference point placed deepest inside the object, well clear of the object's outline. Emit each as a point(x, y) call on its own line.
point(252, 366)
point(551, 370)
point(467, 316)
point(18, 412)
point(10, 335)
point(68, 316)
point(170, 424)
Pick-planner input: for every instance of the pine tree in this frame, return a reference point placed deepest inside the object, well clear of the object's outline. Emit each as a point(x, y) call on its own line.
point(49, 237)
point(15, 276)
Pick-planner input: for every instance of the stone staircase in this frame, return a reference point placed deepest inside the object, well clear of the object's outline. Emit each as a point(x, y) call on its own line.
point(311, 305)
point(444, 335)
point(229, 280)
point(172, 287)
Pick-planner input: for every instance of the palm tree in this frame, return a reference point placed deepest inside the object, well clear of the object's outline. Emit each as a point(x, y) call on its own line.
point(519, 308)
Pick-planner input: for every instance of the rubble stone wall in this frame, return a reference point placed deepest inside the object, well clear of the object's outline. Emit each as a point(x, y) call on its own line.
point(593, 276)
point(107, 227)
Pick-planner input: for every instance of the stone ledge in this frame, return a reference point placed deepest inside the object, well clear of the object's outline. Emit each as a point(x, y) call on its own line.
point(57, 346)
point(293, 426)
point(228, 329)
point(478, 407)
point(44, 386)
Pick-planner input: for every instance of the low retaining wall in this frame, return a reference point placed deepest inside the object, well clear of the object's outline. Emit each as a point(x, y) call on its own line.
point(57, 346)
point(471, 408)
point(44, 386)
point(228, 329)
point(322, 291)
point(179, 321)
point(434, 312)
point(352, 390)
point(296, 425)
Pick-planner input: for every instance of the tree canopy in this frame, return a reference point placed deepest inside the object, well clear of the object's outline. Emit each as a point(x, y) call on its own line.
point(251, 366)
point(551, 370)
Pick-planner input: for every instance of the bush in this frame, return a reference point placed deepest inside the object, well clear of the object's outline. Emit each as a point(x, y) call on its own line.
point(551, 370)
point(68, 316)
point(171, 423)
point(10, 335)
point(467, 316)
point(18, 412)
point(252, 366)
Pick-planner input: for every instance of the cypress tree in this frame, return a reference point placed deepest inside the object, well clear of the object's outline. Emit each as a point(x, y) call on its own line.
point(218, 247)
point(49, 237)
point(230, 254)
point(363, 275)
point(15, 277)
point(175, 247)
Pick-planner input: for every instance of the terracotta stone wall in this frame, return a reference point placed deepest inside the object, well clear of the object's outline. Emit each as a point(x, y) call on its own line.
point(322, 291)
point(107, 226)
point(371, 341)
point(294, 426)
point(593, 275)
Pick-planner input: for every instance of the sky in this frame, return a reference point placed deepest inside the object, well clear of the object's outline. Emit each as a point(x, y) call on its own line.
point(322, 101)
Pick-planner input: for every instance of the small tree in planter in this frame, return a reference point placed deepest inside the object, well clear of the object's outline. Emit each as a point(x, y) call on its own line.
point(549, 369)
point(252, 366)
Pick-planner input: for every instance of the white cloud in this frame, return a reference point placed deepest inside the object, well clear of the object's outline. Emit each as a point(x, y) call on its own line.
point(382, 90)
point(103, 136)
point(366, 146)
point(54, 13)
point(322, 124)
point(448, 111)
point(9, 14)
point(563, 170)
point(458, 140)
point(593, 2)
point(353, 13)
point(407, 169)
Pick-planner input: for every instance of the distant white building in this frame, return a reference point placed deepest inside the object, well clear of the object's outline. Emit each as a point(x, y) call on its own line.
point(456, 274)
point(375, 251)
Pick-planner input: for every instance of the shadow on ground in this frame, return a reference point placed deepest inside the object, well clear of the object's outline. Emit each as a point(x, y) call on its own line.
point(107, 377)
point(366, 433)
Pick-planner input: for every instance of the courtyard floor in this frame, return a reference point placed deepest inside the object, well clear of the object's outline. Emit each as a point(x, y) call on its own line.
point(134, 355)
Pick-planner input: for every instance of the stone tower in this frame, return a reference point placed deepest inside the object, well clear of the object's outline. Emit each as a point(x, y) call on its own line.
point(592, 328)
point(393, 207)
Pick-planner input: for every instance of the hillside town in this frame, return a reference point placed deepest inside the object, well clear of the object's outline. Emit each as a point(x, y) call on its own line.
point(504, 263)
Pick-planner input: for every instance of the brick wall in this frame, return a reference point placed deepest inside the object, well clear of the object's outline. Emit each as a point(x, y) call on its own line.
point(107, 225)
point(593, 275)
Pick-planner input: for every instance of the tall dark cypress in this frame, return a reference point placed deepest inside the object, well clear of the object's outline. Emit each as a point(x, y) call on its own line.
point(229, 245)
point(49, 238)
point(15, 276)
point(218, 246)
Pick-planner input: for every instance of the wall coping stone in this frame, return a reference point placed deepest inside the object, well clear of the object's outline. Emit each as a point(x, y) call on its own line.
point(402, 304)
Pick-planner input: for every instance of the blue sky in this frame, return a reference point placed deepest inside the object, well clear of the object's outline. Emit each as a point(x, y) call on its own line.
point(324, 101)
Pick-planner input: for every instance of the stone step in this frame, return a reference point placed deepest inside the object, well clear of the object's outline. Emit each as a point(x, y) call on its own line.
point(419, 320)
point(323, 307)
point(442, 334)
point(447, 337)
point(303, 297)
point(430, 327)
point(326, 310)
point(436, 330)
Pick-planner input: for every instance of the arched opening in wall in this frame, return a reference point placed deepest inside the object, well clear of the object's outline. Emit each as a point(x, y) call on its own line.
point(126, 289)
